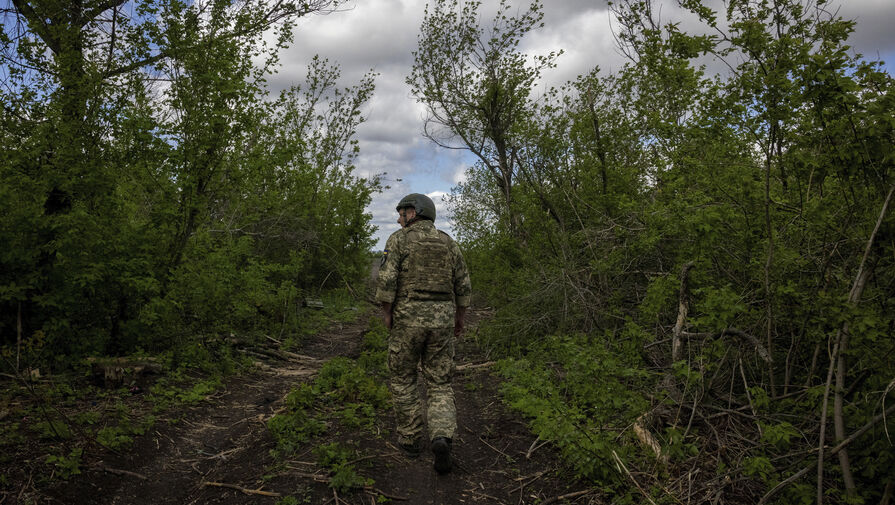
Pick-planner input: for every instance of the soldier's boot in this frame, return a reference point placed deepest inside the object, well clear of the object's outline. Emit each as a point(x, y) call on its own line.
point(441, 448)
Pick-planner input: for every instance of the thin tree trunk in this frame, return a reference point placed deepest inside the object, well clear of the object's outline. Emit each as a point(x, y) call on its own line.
point(838, 416)
point(601, 150)
point(769, 314)
point(683, 308)
point(887, 494)
point(835, 450)
point(823, 425)
point(838, 361)
point(853, 297)
point(18, 337)
point(813, 365)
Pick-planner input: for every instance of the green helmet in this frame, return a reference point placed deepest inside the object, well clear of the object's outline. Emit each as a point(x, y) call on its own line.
point(424, 206)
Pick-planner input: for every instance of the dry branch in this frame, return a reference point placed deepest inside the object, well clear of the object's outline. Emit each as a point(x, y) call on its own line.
point(760, 349)
point(495, 448)
point(371, 489)
point(470, 366)
point(266, 352)
point(647, 439)
point(535, 446)
point(316, 477)
point(566, 496)
point(683, 308)
point(528, 479)
point(240, 488)
point(623, 469)
point(117, 471)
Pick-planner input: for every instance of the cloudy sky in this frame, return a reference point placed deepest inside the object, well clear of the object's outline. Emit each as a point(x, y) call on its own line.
point(379, 35)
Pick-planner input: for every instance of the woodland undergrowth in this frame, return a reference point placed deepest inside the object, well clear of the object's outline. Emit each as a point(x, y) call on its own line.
point(690, 259)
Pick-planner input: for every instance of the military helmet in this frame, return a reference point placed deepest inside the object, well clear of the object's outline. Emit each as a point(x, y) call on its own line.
point(424, 206)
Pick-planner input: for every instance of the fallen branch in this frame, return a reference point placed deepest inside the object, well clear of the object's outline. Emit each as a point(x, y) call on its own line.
point(299, 357)
point(533, 478)
point(495, 448)
point(566, 496)
point(622, 468)
point(854, 296)
point(240, 488)
point(373, 490)
point(535, 446)
point(760, 349)
point(263, 352)
point(261, 355)
point(316, 477)
point(322, 479)
point(35, 377)
point(117, 471)
point(470, 366)
point(646, 438)
point(224, 454)
point(488, 496)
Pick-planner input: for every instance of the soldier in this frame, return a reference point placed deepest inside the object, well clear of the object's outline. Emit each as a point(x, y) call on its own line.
point(423, 291)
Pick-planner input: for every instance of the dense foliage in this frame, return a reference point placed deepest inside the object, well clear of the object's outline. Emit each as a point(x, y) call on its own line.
point(697, 262)
point(152, 191)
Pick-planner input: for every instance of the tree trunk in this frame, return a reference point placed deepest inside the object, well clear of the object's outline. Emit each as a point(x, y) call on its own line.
point(769, 261)
point(683, 308)
point(18, 337)
point(854, 297)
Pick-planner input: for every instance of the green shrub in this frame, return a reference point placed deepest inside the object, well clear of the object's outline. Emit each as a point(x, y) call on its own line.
point(292, 429)
point(338, 459)
point(571, 388)
point(66, 466)
point(53, 429)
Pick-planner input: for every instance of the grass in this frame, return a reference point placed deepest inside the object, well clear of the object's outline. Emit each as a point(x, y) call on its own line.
point(345, 395)
point(51, 423)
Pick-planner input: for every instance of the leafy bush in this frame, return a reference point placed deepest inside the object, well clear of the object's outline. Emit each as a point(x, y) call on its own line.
point(572, 388)
point(339, 460)
point(208, 206)
point(66, 466)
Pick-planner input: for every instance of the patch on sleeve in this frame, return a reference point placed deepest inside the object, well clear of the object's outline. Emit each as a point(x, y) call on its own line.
point(384, 257)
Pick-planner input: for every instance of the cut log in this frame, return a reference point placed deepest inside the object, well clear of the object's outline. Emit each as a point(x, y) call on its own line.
point(115, 372)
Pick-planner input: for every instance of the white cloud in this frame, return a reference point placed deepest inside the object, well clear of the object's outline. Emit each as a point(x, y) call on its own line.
point(873, 36)
point(381, 34)
point(459, 174)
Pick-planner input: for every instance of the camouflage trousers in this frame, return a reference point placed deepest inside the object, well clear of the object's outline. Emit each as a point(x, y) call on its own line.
point(433, 349)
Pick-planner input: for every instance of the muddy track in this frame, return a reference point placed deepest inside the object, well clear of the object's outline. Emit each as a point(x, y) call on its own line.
point(219, 452)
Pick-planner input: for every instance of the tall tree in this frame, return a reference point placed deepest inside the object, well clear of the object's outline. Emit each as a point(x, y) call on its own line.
point(132, 129)
point(476, 85)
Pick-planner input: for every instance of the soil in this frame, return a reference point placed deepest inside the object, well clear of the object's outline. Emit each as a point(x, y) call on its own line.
point(220, 451)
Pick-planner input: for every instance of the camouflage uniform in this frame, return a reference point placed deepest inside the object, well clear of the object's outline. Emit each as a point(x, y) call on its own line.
point(423, 275)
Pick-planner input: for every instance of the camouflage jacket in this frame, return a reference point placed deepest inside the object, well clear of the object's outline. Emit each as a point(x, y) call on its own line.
point(423, 274)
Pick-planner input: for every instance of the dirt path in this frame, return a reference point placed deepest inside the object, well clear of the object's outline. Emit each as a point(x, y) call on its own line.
point(220, 452)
